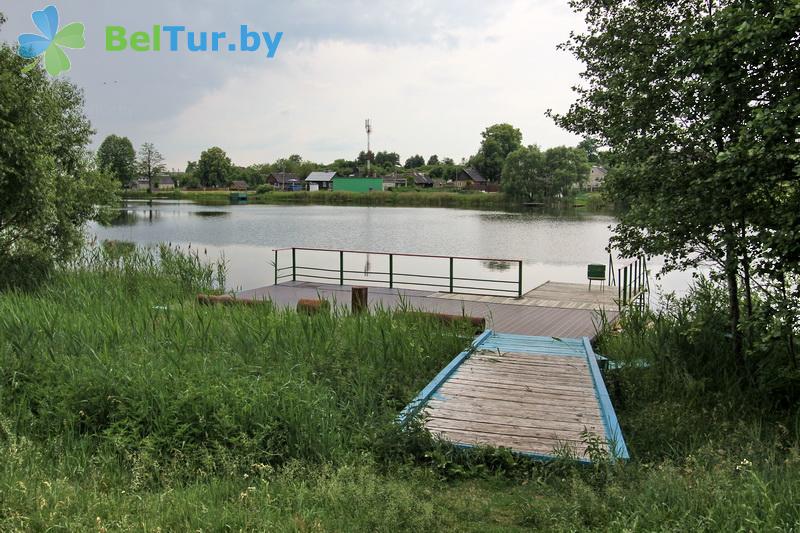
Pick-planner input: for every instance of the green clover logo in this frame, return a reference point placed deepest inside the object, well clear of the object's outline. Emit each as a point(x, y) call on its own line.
point(48, 45)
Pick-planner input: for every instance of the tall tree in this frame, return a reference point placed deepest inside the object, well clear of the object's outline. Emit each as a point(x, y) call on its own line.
point(48, 189)
point(698, 102)
point(151, 163)
point(387, 159)
point(117, 157)
point(524, 175)
point(566, 168)
point(433, 160)
point(214, 168)
point(415, 161)
point(589, 146)
point(498, 141)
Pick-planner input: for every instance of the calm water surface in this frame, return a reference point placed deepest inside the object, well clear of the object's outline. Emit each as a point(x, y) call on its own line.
point(552, 247)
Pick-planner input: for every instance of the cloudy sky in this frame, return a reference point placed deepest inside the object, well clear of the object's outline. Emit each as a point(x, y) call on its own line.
point(430, 74)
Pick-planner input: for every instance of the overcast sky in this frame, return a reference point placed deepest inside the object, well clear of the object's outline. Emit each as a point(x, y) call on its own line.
point(430, 74)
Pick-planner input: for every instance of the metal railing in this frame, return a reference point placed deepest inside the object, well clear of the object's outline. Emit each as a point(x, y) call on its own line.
point(392, 277)
point(632, 280)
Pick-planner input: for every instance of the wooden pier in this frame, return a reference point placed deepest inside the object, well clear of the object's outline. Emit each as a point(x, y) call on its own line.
point(539, 396)
point(554, 309)
point(530, 383)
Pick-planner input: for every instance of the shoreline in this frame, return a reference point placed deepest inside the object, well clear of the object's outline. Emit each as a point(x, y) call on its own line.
point(590, 202)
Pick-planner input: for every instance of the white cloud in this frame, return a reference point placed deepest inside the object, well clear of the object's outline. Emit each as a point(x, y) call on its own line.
point(423, 97)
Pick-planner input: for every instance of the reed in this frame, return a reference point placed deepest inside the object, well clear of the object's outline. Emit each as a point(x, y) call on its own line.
point(124, 405)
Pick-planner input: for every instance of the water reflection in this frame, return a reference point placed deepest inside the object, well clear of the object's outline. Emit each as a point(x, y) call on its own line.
point(497, 265)
point(207, 214)
point(556, 248)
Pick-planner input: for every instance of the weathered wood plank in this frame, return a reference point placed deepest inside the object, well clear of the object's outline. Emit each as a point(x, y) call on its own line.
point(575, 375)
point(488, 393)
point(506, 430)
point(528, 388)
point(532, 373)
point(564, 378)
point(515, 420)
point(545, 413)
point(554, 410)
point(539, 446)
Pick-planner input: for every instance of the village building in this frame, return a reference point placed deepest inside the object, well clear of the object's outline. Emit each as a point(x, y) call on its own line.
point(319, 181)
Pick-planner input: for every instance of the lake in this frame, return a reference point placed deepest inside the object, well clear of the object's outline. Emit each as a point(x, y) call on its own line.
point(555, 247)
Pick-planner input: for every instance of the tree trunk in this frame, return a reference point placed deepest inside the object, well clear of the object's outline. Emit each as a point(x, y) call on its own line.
point(748, 294)
point(733, 302)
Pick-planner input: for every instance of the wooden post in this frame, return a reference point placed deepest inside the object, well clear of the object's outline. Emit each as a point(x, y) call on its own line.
point(276, 267)
point(359, 299)
point(391, 271)
point(519, 287)
point(294, 266)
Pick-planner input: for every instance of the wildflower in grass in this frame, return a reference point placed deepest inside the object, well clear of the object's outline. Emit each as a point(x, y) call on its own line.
point(49, 44)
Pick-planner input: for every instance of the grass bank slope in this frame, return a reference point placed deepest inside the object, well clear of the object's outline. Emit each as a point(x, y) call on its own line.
point(126, 406)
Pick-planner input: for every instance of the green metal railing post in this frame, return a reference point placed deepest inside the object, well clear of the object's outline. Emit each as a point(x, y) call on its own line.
point(451, 274)
point(276, 267)
point(294, 265)
point(625, 286)
point(519, 287)
point(341, 267)
point(391, 271)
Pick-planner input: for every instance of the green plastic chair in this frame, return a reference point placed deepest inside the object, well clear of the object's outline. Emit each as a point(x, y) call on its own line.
point(596, 273)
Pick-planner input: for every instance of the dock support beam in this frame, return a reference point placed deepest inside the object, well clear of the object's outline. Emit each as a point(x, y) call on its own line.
point(294, 265)
point(519, 281)
point(341, 267)
point(391, 271)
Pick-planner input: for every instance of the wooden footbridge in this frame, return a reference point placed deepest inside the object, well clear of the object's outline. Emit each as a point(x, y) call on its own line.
point(530, 383)
point(539, 396)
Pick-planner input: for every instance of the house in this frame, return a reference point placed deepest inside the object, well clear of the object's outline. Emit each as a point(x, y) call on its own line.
point(165, 183)
point(238, 185)
point(597, 176)
point(421, 180)
point(285, 181)
point(470, 178)
point(319, 181)
point(357, 184)
point(139, 184)
point(393, 182)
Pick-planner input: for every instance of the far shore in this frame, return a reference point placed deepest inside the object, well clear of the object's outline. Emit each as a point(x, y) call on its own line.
point(416, 198)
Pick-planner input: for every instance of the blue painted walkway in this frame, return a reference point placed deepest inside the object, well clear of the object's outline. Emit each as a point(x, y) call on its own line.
point(539, 396)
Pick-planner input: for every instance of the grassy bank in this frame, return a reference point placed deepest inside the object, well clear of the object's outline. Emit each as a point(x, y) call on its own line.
point(126, 406)
point(377, 198)
point(410, 198)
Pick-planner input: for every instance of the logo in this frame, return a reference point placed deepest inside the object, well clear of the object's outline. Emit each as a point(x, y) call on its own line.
point(49, 45)
point(177, 38)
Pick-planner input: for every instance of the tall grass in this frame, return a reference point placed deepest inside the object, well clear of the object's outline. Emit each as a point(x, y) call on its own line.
point(118, 351)
point(126, 406)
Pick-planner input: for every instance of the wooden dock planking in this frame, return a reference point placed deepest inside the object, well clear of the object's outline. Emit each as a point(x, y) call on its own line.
point(535, 395)
point(556, 295)
point(525, 316)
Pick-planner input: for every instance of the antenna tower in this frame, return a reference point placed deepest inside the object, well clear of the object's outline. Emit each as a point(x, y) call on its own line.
point(368, 127)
